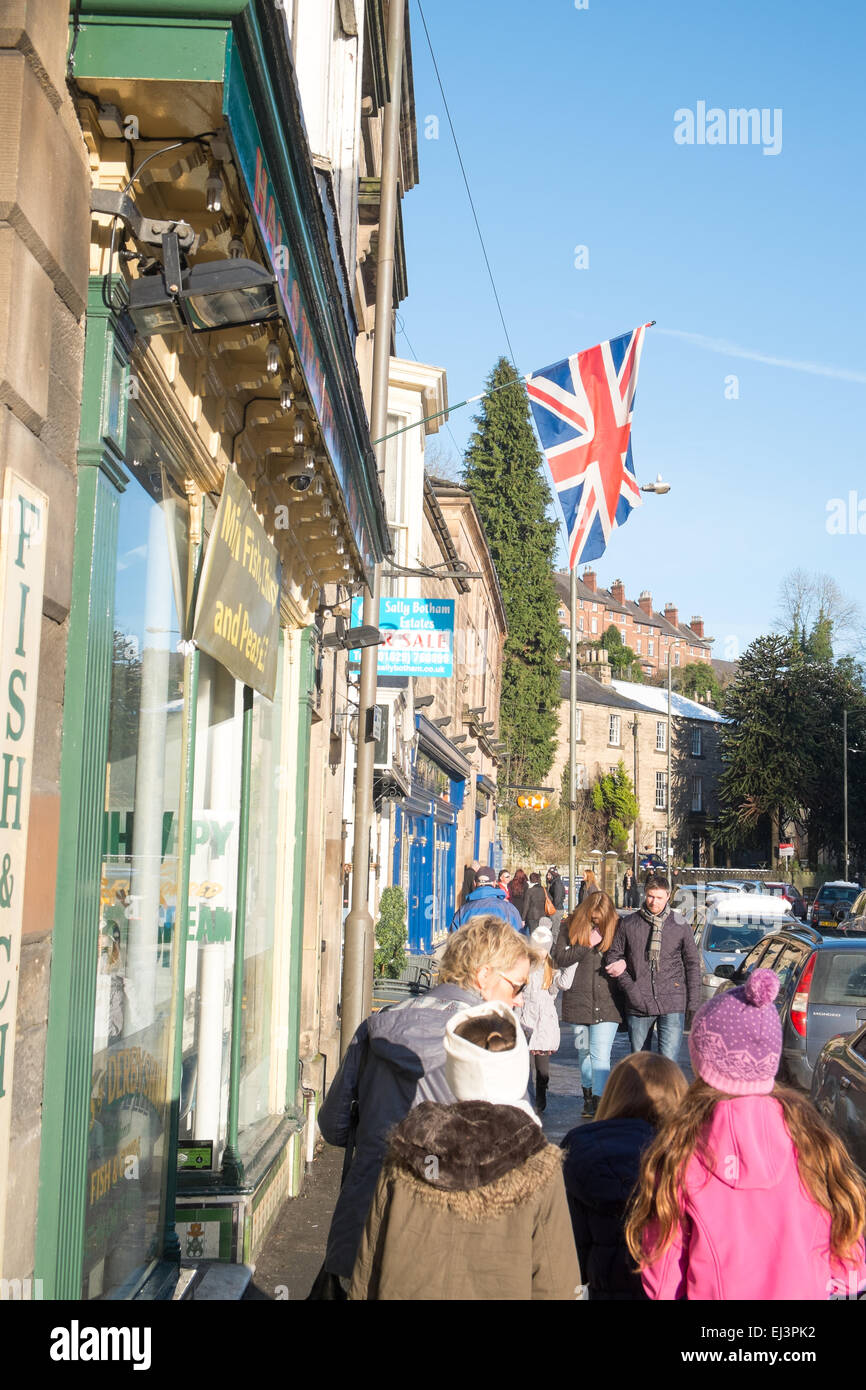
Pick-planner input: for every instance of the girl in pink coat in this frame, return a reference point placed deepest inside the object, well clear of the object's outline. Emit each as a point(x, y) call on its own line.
point(745, 1192)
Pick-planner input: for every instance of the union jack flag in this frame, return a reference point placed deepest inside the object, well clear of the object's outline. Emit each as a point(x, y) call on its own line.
point(582, 409)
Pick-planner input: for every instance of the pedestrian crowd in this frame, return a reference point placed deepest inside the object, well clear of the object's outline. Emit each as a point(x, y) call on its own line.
point(731, 1187)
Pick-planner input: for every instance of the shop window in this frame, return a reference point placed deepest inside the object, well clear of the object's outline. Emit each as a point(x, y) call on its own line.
point(258, 1043)
point(127, 1131)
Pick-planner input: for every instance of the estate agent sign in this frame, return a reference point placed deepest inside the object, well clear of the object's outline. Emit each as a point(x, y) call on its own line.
point(22, 572)
point(237, 617)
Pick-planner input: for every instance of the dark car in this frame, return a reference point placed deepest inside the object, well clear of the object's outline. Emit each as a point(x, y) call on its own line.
point(839, 1089)
point(832, 902)
point(822, 992)
point(653, 862)
point(853, 923)
point(790, 894)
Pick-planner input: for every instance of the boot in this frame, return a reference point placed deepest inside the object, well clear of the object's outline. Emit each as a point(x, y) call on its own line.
point(541, 1084)
point(588, 1111)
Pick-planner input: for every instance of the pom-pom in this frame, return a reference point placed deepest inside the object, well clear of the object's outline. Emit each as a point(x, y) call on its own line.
point(761, 987)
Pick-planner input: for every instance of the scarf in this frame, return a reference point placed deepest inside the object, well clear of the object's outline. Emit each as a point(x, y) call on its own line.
point(654, 949)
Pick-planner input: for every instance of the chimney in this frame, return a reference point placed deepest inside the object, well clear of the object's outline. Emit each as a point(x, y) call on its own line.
point(617, 591)
point(672, 614)
point(595, 663)
point(588, 578)
point(645, 602)
point(697, 626)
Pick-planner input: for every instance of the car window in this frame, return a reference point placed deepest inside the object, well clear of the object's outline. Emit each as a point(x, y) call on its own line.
point(860, 1045)
point(768, 960)
point(845, 981)
point(756, 956)
point(787, 963)
point(834, 893)
point(743, 937)
point(858, 908)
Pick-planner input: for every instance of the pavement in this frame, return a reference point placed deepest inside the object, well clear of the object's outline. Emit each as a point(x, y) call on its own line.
point(295, 1247)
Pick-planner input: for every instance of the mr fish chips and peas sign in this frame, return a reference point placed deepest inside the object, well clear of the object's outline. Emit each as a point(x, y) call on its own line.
point(237, 617)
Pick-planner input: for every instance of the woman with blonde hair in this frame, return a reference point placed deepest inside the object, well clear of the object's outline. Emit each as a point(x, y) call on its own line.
point(396, 1060)
point(602, 1164)
point(592, 1004)
point(746, 1193)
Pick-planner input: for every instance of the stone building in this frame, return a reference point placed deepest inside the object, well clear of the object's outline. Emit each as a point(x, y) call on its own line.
point(189, 206)
point(623, 721)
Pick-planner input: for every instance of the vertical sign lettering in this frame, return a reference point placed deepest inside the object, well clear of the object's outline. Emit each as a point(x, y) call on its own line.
point(22, 572)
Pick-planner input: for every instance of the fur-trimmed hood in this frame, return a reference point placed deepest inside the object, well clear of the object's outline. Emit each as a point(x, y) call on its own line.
point(473, 1158)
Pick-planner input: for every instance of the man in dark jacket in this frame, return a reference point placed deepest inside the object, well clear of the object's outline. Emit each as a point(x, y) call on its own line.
point(487, 899)
point(555, 888)
point(534, 903)
point(656, 963)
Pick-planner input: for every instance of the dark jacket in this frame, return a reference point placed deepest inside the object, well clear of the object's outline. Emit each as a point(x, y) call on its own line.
point(676, 986)
point(487, 901)
point(601, 1170)
point(630, 892)
point(395, 1060)
point(593, 997)
point(556, 890)
point(533, 906)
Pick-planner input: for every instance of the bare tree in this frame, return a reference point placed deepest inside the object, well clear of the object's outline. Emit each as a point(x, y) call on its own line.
point(812, 608)
point(441, 460)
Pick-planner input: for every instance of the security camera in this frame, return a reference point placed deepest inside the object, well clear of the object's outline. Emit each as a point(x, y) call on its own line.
point(301, 483)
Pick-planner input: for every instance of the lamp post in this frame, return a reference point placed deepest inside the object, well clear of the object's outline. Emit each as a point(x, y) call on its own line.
point(358, 943)
point(668, 797)
point(634, 732)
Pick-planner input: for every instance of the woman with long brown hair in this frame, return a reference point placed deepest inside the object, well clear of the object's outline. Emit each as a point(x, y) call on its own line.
point(745, 1192)
point(592, 1004)
point(602, 1163)
point(517, 890)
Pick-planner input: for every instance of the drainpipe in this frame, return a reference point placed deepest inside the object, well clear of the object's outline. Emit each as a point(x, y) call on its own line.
point(357, 983)
point(170, 1242)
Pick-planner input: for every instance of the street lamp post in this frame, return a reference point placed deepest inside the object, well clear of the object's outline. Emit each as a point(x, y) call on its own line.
point(634, 732)
point(668, 797)
point(659, 487)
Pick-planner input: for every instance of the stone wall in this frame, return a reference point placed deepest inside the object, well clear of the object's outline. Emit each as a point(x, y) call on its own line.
point(44, 237)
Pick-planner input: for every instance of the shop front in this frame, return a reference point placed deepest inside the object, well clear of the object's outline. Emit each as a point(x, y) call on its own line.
point(426, 836)
point(173, 1113)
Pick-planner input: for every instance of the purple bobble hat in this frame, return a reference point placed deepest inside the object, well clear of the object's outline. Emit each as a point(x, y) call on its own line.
point(736, 1038)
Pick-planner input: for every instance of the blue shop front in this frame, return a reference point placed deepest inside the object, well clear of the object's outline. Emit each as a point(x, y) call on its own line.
point(425, 836)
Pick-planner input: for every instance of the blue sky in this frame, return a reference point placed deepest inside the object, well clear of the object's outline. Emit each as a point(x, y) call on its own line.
point(565, 119)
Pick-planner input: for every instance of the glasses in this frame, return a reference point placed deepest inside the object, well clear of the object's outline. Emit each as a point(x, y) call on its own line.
point(516, 990)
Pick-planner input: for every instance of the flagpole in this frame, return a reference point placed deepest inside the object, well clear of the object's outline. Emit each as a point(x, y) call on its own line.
point(572, 765)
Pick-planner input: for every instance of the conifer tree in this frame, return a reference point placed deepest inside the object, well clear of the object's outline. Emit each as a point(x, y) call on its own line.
point(503, 472)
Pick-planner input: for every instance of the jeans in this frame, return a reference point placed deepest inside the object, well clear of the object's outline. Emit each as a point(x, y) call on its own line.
point(593, 1043)
point(669, 1032)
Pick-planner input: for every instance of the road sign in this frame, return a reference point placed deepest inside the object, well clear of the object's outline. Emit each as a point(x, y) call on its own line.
point(786, 850)
point(535, 801)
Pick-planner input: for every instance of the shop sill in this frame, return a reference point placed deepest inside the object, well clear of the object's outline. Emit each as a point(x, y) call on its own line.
point(260, 1150)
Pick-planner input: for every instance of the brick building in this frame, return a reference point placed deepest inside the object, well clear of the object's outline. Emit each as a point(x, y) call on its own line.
point(650, 635)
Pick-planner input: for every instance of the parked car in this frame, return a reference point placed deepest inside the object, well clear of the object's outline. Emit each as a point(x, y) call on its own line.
point(832, 902)
point(654, 862)
point(729, 927)
point(853, 922)
point(822, 991)
point(839, 1089)
point(790, 894)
